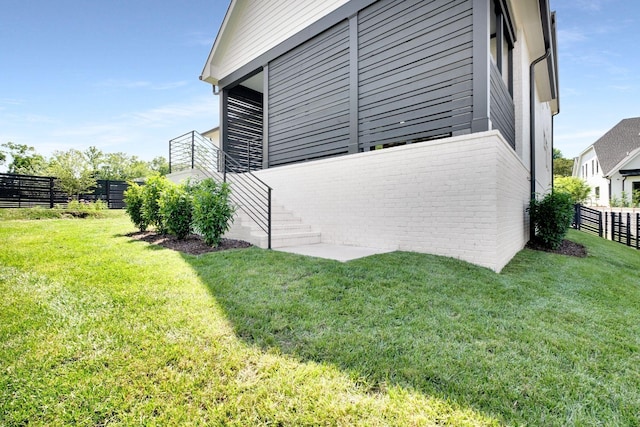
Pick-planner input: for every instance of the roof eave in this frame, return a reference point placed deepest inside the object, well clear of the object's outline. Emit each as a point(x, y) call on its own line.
point(206, 74)
point(623, 162)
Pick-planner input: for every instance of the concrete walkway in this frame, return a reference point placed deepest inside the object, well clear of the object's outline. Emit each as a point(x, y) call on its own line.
point(336, 252)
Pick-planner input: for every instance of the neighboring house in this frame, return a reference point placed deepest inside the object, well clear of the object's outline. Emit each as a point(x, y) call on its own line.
point(213, 135)
point(409, 125)
point(611, 166)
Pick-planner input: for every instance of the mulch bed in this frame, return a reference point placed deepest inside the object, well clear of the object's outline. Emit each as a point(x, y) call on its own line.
point(567, 247)
point(192, 244)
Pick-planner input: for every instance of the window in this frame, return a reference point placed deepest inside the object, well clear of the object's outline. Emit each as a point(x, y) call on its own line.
point(502, 38)
point(597, 192)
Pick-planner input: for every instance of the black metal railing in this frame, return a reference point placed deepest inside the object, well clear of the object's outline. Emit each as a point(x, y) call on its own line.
point(248, 192)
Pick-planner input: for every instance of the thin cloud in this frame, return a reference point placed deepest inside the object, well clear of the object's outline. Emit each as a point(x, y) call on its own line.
point(11, 101)
point(199, 38)
point(591, 5)
point(141, 84)
point(142, 133)
point(587, 134)
point(571, 36)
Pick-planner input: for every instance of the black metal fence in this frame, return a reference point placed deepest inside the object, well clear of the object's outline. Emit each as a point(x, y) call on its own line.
point(588, 220)
point(621, 227)
point(624, 229)
point(26, 191)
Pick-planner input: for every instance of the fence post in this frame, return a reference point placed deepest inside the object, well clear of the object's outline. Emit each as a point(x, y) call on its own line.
point(600, 224)
point(107, 186)
point(628, 229)
point(51, 198)
point(269, 218)
point(193, 148)
point(638, 231)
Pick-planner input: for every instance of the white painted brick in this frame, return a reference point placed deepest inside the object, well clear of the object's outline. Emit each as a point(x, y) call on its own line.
point(462, 197)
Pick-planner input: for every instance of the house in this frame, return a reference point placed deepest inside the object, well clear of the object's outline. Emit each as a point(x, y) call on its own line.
point(412, 125)
point(611, 165)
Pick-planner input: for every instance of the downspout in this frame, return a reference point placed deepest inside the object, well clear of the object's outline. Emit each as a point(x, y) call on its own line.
point(532, 122)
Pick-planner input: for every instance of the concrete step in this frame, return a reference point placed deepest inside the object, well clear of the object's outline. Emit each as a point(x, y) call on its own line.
point(287, 229)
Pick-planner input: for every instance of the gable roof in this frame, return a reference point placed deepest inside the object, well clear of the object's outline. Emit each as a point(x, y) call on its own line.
point(622, 140)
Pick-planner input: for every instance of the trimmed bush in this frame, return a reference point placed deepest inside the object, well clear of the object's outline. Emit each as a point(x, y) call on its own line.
point(175, 209)
point(212, 210)
point(134, 197)
point(152, 190)
point(551, 217)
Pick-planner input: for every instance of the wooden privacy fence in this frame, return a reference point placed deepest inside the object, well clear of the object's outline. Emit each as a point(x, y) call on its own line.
point(621, 227)
point(26, 191)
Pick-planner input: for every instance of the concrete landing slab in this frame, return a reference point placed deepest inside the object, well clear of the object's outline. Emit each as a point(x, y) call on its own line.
point(335, 252)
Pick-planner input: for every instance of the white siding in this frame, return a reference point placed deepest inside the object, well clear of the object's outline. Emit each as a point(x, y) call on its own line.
point(463, 197)
point(257, 26)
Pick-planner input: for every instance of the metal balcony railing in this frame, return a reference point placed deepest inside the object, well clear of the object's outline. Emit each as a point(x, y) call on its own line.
point(248, 192)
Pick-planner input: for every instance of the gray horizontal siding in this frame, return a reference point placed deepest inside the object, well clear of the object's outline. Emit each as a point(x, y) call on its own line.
point(502, 110)
point(309, 99)
point(415, 70)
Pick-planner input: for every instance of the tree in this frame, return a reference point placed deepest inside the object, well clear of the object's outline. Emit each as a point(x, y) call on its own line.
point(75, 174)
point(577, 189)
point(561, 166)
point(138, 168)
point(24, 159)
point(159, 164)
point(95, 158)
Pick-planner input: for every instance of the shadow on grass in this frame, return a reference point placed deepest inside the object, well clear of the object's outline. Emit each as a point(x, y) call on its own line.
point(435, 325)
point(387, 320)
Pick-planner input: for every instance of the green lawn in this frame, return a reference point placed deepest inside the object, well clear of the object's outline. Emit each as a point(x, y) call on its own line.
point(97, 329)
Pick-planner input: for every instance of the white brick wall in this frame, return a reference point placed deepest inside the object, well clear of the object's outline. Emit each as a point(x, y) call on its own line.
point(462, 197)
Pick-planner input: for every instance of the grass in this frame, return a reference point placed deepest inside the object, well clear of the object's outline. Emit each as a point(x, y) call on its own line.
point(97, 329)
point(36, 213)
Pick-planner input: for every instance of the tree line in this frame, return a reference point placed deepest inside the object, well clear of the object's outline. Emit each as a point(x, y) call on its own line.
point(77, 171)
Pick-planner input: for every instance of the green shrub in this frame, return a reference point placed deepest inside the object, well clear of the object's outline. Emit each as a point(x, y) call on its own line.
point(85, 205)
point(551, 218)
point(151, 195)
point(212, 210)
point(133, 198)
point(175, 209)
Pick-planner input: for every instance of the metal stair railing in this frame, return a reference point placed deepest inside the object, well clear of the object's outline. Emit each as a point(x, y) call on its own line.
point(248, 192)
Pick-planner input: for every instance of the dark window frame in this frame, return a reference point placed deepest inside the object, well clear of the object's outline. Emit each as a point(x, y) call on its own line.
point(504, 35)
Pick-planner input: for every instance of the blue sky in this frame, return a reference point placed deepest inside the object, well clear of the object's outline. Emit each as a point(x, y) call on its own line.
point(123, 75)
point(599, 59)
